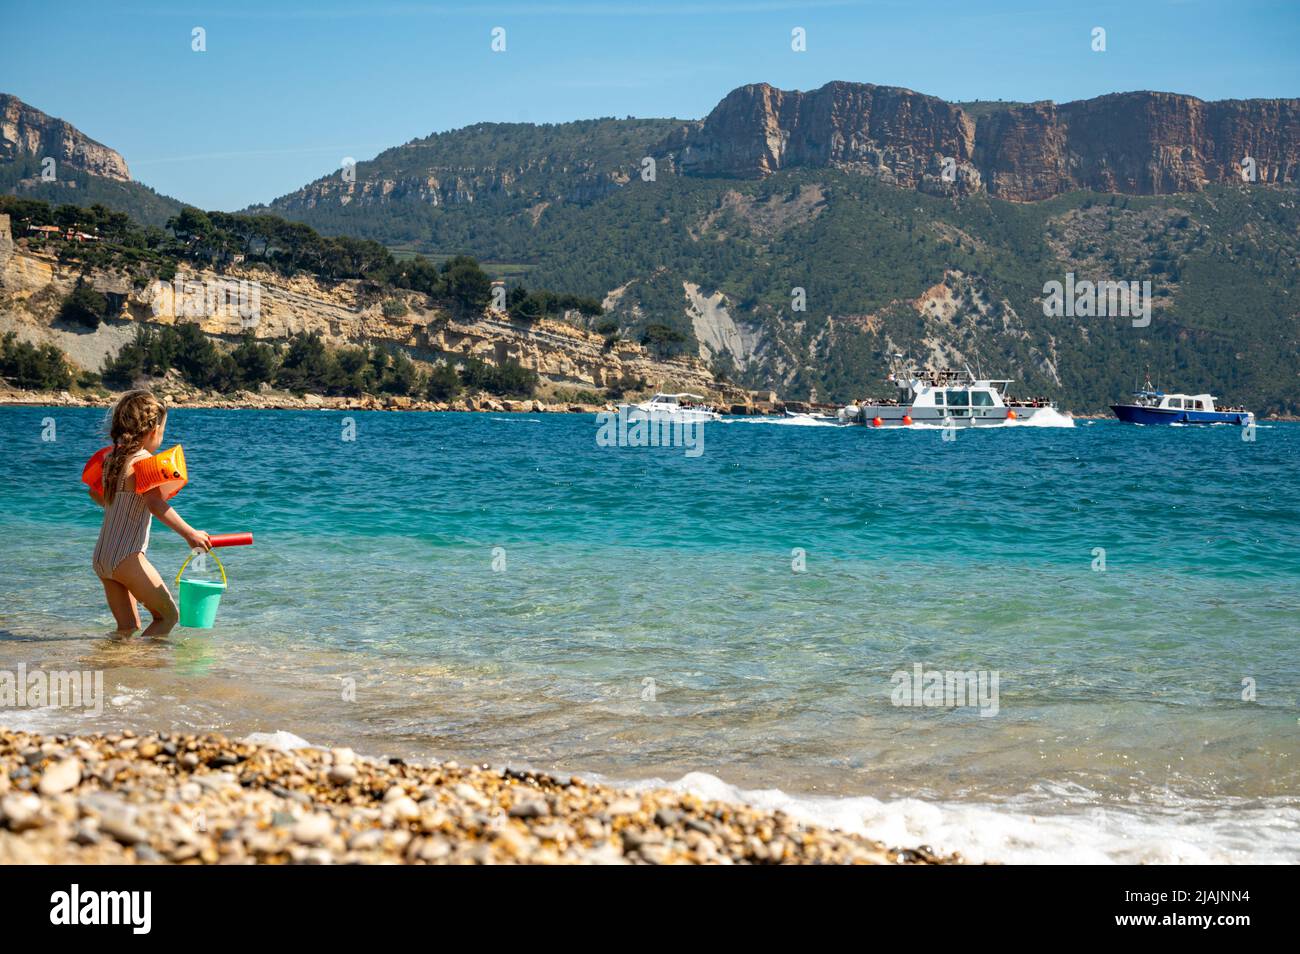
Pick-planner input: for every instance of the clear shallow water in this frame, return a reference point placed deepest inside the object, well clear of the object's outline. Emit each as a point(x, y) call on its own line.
point(647, 622)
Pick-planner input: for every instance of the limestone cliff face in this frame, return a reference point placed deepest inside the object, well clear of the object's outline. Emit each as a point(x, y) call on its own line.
point(1141, 143)
point(1136, 143)
point(33, 286)
point(6, 242)
point(26, 131)
point(444, 185)
point(893, 134)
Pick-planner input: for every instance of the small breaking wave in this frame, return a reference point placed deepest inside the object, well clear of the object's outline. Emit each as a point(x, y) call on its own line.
point(1049, 825)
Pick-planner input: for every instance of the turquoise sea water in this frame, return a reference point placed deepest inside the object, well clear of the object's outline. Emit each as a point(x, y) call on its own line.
point(500, 588)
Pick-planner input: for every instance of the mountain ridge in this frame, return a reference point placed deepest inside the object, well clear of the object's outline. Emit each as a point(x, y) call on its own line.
point(84, 171)
point(26, 130)
point(1135, 143)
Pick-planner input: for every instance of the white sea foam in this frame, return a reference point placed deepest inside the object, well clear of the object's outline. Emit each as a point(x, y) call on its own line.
point(1043, 417)
point(1045, 827)
point(284, 741)
point(782, 421)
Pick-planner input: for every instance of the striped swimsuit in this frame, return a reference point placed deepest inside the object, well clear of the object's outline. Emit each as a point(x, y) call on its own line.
point(126, 526)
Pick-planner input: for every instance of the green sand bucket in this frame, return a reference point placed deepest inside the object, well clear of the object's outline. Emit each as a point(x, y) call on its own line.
point(199, 599)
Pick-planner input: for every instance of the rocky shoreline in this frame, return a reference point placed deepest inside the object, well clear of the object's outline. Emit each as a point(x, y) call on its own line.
point(285, 401)
point(124, 798)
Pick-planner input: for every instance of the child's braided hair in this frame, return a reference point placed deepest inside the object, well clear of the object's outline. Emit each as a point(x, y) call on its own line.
point(136, 415)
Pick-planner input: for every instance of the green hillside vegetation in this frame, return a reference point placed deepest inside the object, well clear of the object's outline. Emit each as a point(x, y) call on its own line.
point(304, 364)
point(25, 365)
point(22, 178)
point(510, 166)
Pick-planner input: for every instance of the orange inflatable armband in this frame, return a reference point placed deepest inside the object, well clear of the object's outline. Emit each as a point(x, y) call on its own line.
point(92, 475)
point(165, 470)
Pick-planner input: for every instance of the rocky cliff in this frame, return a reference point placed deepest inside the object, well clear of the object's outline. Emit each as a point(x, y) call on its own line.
point(32, 287)
point(26, 131)
point(580, 161)
point(1141, 143)
point(893, 134)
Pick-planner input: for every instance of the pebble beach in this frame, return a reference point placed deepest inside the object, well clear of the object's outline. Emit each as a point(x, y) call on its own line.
point(125, 798)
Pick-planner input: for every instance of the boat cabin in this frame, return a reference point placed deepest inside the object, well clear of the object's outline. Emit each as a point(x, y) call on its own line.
point(670, 401)
point(1174, 402)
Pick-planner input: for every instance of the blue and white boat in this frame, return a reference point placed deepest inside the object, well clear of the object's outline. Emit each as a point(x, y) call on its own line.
point(1158, 407)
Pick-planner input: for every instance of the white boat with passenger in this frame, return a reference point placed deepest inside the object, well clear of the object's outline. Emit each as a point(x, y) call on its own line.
point(944, 397)
point(683, 407)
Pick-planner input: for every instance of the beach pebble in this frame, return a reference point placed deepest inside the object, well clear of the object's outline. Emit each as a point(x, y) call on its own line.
point(121, 826)
point(432, 849)
point(215, 781)
point(667, 817)
point(21, 811)
point(146, 854)
point(623, 806)
point(61, 777)
point(517, 844)
point(655, 854)
point(368, 840)
point(554, 832)
point(343, 774)
point(343, 756)
point(467, 793)
point(603, 854)
point(313, 829)
point(399, 810)
point(100, 803)
point(534, 808)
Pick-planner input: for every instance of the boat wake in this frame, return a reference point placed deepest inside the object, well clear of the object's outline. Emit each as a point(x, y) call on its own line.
point(1043, 417)
point(782, 421)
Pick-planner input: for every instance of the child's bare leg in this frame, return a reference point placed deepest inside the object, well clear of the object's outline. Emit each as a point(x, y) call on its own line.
point(122, 605)
point(137, 574)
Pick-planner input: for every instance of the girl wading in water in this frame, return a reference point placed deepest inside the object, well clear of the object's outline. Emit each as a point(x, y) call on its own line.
point(139, 421)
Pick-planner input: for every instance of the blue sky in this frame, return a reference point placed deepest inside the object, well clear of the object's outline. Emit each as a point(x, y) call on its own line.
point(287, 89)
